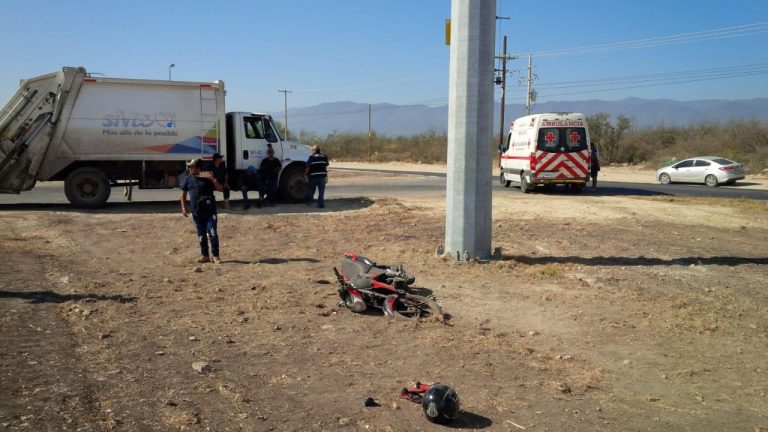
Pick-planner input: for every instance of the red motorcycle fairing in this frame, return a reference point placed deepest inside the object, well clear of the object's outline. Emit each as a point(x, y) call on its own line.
point(389, 305)
point(355, 301)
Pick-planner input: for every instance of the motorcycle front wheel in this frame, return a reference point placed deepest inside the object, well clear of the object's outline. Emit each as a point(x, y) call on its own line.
point(409, 306)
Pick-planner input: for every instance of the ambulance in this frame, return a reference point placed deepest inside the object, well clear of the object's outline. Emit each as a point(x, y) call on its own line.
point(546, 149)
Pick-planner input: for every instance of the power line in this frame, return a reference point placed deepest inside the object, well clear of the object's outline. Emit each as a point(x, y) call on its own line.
point(605, 84)
point(681, 80)
point(682, 38)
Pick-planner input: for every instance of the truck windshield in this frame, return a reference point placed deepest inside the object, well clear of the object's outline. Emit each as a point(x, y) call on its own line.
point(562, 140)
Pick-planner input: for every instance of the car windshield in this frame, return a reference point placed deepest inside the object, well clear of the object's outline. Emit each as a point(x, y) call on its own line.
point(723, 161)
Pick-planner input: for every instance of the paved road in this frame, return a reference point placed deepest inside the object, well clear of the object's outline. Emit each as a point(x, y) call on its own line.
point(411, 184)
point(609, 188)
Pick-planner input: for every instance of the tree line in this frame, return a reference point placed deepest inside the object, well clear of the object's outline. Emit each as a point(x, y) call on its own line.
point(619, 141)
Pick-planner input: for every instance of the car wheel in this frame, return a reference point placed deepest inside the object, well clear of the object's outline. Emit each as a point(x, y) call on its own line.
point(711, 180)
point(664, 178)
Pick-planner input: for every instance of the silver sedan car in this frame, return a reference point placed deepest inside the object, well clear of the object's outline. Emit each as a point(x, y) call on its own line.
point(710, 170)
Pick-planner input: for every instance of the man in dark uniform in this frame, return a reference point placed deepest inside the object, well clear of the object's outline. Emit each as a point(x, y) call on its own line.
point(220, 174)
point(317, 176)
point(270, 170)
point(200, 186)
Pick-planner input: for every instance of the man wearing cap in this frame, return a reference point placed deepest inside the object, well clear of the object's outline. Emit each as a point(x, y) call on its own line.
point(220, 174)
point(270, 170)
point(200, 186)
point(317, 176)
point(249, 181)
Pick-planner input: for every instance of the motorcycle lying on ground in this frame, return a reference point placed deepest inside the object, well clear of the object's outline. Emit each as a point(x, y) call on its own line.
point(363, 284)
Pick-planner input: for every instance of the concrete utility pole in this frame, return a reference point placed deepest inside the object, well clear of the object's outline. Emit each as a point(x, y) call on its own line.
point(531, 93)
point(285, 128)
point(502, 80)
point(470, 129)
point(370, 134)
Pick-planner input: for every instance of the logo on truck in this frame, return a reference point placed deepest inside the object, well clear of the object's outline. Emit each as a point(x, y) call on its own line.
point(139, 120)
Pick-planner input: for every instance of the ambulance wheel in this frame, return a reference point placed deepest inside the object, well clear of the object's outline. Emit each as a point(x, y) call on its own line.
point(504, 182)
point(525, 187)
point(87, 188)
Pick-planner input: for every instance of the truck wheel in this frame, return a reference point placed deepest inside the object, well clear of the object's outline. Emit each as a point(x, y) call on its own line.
point(293, 186)
point(87, 188)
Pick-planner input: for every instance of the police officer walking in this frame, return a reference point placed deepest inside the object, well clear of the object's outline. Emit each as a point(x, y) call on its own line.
point(200, 186)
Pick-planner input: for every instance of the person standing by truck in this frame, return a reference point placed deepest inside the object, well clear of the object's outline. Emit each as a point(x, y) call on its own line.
point(317, 176)
point(249, 181)
point(270, 170)
point(220, 174)
point(200, 186)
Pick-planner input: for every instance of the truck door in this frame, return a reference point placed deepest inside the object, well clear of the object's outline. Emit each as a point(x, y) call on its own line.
point(258, 134)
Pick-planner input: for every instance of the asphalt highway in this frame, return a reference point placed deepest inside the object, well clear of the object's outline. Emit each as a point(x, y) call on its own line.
point(394, 184)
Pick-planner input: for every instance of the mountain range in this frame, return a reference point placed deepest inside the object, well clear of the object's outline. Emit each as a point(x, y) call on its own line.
point(393, 120)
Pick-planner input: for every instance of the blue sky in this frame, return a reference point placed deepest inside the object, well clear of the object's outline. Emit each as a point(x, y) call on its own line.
point(392, 51)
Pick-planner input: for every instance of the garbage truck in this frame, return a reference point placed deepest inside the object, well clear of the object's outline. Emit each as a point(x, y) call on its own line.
point(95, 133)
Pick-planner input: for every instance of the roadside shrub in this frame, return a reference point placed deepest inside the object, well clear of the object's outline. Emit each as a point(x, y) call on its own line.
point(743, 141)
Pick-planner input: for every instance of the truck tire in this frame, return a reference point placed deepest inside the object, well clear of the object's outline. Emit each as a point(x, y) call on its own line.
point(293, 185)
point(87, 188)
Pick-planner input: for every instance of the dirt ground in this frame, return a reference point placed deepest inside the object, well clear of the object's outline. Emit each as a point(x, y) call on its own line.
point(603, 314)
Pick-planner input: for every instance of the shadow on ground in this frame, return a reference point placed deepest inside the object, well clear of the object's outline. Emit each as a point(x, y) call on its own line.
point(172, 207)
point(636, 261)
point(468, 420)
point(52, 297)
point(273, 261)
point(602, 191)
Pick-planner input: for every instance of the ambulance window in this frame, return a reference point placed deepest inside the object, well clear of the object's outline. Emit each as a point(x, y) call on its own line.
point(549, 138)
point(576, 138)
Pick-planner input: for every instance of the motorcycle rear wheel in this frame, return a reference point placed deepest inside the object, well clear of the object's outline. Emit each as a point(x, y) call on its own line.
point(409, 306)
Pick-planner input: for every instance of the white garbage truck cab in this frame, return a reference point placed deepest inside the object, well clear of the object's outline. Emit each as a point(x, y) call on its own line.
point(95, 132)
point(546, 149)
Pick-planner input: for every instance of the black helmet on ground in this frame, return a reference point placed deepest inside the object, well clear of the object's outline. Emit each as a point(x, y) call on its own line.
point(441, 404)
